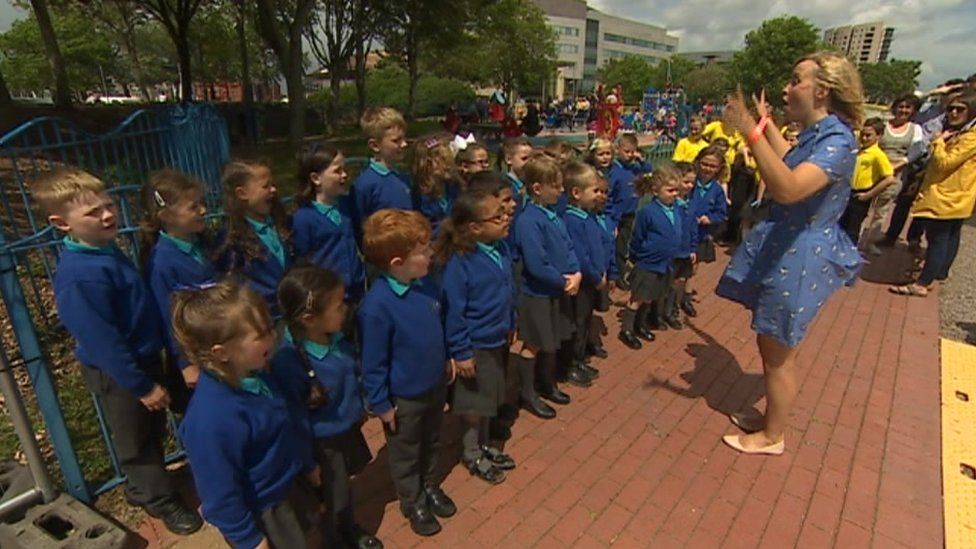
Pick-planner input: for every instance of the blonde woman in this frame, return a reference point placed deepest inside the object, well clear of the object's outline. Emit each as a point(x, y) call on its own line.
point(792, 262)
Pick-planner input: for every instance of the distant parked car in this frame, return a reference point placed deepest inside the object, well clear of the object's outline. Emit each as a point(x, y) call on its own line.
point(97, 98)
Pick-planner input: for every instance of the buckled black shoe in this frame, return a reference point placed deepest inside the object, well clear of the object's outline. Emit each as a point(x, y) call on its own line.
point(177, 517)
point(356, 536)
point(440, 504)
point(630, 339)
point(674, 323)
point(597, 351)
point(689, 308)
point(555, 396)
point(644, 334)
point(539, 409)
point(498, 458)
point(484, 469)
point(423, 522)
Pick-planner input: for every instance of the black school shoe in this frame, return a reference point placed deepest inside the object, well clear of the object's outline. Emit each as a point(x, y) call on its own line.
point(688, 307)
point(589, 370)
point(630, 339)
point(644, 334)
point(440, 504)
point(498, 458)
point(176, 516)
point(422, 521)
point(674, 323)
point(597, 351)
point(539, 409)
point(356, 536)
point(555, 396)
point(575, 375)
point(484, 469)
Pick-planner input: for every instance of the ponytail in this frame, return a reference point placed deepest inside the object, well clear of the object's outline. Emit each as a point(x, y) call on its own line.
point(453, 237)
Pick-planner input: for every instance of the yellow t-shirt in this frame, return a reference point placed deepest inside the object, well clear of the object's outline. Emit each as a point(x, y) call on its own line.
point(687, 150)
point(714, 130)
point(872, 166)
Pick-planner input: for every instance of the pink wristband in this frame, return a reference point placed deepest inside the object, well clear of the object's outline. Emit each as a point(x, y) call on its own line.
point(757, 132)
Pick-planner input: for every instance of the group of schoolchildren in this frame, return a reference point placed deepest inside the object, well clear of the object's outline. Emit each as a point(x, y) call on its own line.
point(396, 295)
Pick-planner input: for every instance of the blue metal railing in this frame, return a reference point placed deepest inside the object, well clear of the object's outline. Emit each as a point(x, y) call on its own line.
point(191, 138)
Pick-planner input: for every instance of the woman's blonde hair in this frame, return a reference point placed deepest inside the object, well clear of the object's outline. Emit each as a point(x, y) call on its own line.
point(431, 154)
point(215, 315)
point(836, 73)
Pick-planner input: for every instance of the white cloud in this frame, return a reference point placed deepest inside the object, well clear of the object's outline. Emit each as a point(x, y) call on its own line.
point(937, 32)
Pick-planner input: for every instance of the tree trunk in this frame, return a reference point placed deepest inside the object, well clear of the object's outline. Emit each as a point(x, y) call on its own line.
point(336, 74)
point(360, 78)
point(412, 72)
point(295, 77)
point(140, 74)
point(62, 89)
point(5, 99)
point(184, 54)
point(246, 89)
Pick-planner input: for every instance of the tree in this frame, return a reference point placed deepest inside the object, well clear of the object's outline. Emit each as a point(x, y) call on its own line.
point(707, 83)
point(770, 52)
point(122, 18)
point(337, 28)
point(62, 87)
point(5, 99)
point(885, 81)
point(671, 71)
point(176, 16)
point(281, 25)
point(519, 45)
point(632, 72)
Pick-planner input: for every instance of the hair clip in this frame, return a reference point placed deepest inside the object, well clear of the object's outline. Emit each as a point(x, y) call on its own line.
point(202, 286)
point(432, 142)
point(158, 198)
point(309, 302)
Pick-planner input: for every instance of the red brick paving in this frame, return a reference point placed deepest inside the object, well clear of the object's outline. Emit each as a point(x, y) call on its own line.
point(636, 461)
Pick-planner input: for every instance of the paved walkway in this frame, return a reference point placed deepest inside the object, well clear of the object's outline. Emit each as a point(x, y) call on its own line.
point(636, 460)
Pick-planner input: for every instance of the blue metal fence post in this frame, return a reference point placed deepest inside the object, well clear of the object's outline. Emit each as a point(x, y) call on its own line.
point(40, 376)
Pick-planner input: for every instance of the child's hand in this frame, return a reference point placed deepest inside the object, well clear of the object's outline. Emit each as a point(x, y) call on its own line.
point(863, 197)
point(603, 283)
point(573, 283)
point(314, 477)
point(465, 368)
point(704, 220)
point(190, 375)
point(157, 399)
point(389, 419)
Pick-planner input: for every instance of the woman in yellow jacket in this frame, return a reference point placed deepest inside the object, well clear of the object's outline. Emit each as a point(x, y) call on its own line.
point(948, 192)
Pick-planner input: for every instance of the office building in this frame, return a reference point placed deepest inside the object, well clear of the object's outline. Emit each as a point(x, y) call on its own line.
point(588, 38)
point(865, 43)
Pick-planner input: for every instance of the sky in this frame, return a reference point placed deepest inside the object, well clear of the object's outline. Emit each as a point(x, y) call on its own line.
point(937, 32)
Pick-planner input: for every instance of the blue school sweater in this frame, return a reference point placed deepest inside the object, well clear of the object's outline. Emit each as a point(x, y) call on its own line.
point(324, 235)
point(335, 367)
point(245, 450)
point(478, 293)
point(262, 273)
point(402, 338)
point(176, 264)
point(546, 250)
point(107, 307)
point(376, 188)
point(588, 241)
point(608, 242)
point(622, 198)
point(708, 199)
point(518, 194)
point(657, 238)
point(689, 229)
point(436, 209)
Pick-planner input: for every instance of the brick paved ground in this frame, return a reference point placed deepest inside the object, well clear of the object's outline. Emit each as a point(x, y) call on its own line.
point(636, 460)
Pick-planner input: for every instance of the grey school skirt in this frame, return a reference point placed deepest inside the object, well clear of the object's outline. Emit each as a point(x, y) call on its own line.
point(482, 394)
point(647, 286)
point(545, 322)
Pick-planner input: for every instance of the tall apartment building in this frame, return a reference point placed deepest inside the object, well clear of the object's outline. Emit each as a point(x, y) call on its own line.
point(865, 43)
point(588, 38)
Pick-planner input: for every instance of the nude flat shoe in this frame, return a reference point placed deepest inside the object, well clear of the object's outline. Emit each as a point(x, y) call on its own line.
point(775, 449)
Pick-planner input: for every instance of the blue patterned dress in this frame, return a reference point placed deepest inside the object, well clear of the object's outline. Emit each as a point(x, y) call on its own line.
point(792, 262)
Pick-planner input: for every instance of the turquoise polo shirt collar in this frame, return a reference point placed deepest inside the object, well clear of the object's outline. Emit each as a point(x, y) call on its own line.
point(76, 246)
point(269, 237)
point(318, 350)
point(551, 215)
point(577, 211)
point(703, 188)
point(329, 211)
point(191, 249)
point(602, 220)
point(491, 250)
point(616, 162)
point(256, 386)
point(378, 168)
point(681, 202)
point(517, 183)
point(399, 288)
point(668, 210)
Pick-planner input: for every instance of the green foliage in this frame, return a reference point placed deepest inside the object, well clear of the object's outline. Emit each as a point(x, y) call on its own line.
point(883, 82)
point(632, 72)
point(767, 60)
point(679, 68)
point(84, 50)
point(707, 83)
point(387, 86)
